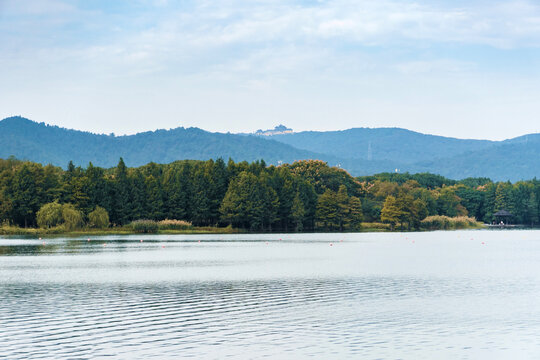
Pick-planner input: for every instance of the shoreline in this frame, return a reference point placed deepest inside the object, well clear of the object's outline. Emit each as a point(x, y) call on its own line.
point(15, 231)
point(105, 232)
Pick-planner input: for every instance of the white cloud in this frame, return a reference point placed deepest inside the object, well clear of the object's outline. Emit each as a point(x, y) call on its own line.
point(212, 35)
point(346, 59)
point(440, 66)
point(510, 23)
point(35, 7)
point(224, 30)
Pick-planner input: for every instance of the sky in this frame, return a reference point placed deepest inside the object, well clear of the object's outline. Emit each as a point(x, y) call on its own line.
point(467, 69)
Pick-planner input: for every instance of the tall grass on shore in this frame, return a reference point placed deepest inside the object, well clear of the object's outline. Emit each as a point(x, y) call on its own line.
point(144, 226)
point(135, 227)
point(375, 227)
point(150, 226)
point(441, 222)
point(168, 224)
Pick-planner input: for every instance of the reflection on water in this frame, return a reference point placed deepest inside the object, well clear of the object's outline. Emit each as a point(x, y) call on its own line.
point(425, 295)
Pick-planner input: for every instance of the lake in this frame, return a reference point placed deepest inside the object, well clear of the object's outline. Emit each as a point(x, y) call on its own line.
point(431, 295)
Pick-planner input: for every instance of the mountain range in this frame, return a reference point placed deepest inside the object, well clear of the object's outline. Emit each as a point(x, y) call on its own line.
point(361, 151)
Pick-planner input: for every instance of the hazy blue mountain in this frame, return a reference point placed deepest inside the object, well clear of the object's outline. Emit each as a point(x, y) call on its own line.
point(391, 149)
point(512, 160)
point(405, 150)
point(525, 139)
point(399, 145)
point(38, 142)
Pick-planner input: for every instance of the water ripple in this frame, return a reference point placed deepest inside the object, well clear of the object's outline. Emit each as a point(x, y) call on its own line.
point(368, 313)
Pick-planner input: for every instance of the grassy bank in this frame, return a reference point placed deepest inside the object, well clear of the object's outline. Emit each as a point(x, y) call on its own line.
point(430, 223)
point(172, 227)
point(439, 222)
point(125, 230)
point(375, 227)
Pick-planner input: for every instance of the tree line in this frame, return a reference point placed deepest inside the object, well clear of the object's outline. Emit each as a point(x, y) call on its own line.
point(306, 195)
point(410, 198)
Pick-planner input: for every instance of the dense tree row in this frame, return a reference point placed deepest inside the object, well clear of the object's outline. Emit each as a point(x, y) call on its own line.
point(407, 199)
point(206, 193)
point(306, 195)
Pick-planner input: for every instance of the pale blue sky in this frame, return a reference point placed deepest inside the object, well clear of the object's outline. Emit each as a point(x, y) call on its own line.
point(467, 69)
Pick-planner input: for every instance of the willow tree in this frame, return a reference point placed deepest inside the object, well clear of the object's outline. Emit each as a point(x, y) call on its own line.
point(50, 215)
point(99, 218)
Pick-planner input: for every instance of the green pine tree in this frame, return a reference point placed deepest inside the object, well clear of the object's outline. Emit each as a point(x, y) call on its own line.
point(328, 211)
point(297, 213)
point(390, 212)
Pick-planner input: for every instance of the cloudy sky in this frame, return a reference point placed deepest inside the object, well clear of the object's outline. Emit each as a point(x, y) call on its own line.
point(469, 69)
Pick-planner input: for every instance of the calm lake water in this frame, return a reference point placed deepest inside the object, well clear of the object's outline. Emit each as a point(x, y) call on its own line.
point(438, 295)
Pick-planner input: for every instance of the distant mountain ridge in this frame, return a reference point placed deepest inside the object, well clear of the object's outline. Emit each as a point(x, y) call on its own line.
point(401, 145)
point(43, 143)
point(512, 159)
point(361, 151)
point(507, 160)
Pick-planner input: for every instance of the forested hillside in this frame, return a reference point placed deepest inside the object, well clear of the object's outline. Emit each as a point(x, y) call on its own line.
point(45, 144)
point(399, 145)
point(408, 151)
point(509, 160)
point(359, 151)
point(306, 195)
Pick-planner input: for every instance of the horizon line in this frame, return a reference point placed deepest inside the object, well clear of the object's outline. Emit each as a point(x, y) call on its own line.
point(113, 134)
